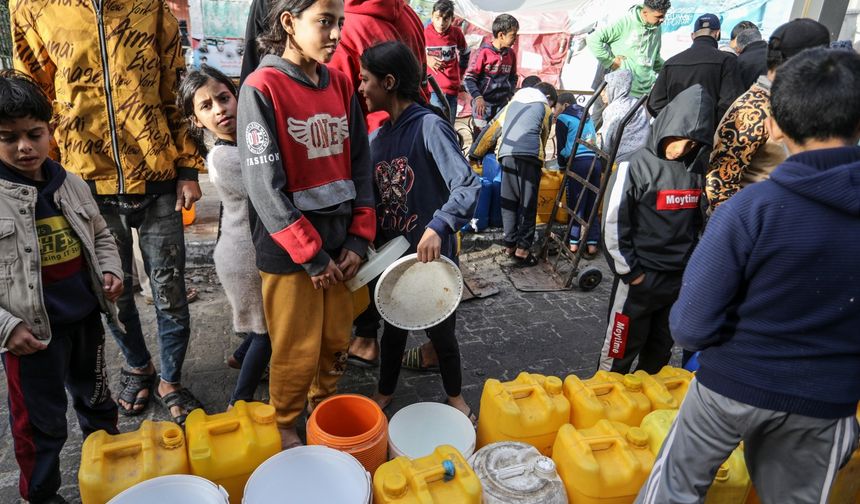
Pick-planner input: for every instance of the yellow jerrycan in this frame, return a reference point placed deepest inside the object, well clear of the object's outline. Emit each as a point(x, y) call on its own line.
point(667, 388)
point(606, 395)
point(113, 463)
point(443, 477)
point(550, 182)
point(732, 483)
point(604, 464)
point(529, 409)
point(226, 448)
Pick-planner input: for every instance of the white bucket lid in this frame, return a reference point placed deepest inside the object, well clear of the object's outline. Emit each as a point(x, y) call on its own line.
point(412, 295)
point(377, 261)
point(173, 489)
point(309, 474)
point(416, 430)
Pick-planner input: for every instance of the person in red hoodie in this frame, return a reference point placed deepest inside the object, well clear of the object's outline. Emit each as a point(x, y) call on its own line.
point(368, 22)
point(447, 56)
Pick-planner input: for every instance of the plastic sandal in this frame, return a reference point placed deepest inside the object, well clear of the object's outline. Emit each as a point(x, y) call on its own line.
point(132, 385)
point(412, 360)
point(182, 398)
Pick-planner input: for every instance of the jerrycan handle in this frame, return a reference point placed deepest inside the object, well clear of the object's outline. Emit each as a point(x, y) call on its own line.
point(521, 391)
point(133, 446)
point(223, 426)
point(444, 471)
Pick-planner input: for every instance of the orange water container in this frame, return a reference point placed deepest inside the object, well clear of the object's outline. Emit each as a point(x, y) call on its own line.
point(111, 464)
point(666, 389)
point(188, 216)
point(443, 477)
point(606, 395)
point(353, 424)
point(732, 483)
point(604, 464)
point(529, 409)
point(846, 488)
point(227, 447)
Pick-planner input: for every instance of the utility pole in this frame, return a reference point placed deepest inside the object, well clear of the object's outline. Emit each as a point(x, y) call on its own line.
point(830, 13)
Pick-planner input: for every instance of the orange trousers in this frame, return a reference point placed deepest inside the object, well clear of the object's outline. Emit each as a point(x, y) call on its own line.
point(310, 332)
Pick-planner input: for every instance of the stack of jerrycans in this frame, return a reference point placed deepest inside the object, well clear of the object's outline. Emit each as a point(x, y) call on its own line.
point(529, 409)
point(111, 464)
point(227, 447)
point(444, 476)
point(732, 483)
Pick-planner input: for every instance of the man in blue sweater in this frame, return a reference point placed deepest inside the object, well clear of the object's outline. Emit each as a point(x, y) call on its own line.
point(771, 298)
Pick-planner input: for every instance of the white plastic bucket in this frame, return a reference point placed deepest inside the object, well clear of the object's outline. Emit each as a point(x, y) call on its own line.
point(416, 430)
point(309, 474)
point(377, 261)
point(173, 489)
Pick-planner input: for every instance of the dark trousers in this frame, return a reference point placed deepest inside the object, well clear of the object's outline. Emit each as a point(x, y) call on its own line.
point(73, 361)
point(639, 323)
point(254, 354)
point(580, 166)
point(520, 185)
point(444, 339)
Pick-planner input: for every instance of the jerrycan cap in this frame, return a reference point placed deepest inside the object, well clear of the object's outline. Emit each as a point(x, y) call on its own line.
point(394, 485)
point(171, 438)
point(722, 473)
point(553, 385)
point(264, 414)
point(632, 383)
point(637, 437)
point(544, 466)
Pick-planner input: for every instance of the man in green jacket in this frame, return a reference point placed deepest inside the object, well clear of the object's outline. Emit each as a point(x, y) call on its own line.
point(633, 42)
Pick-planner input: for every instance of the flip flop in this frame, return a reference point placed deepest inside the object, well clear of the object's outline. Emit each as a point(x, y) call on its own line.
point(471, 416)
point(361, 362)
point(527, 261)
point(412, 360)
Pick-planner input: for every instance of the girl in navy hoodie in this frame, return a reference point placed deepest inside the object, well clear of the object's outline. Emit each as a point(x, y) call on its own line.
point(425, 192)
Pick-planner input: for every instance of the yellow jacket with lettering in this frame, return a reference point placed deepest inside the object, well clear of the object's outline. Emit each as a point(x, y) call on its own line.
point(111, 68)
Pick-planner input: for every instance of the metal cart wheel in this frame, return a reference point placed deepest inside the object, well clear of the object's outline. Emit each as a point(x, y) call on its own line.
point(588, 279)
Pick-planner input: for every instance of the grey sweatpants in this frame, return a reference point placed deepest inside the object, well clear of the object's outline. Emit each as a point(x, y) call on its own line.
point(790, 458)
point(520, 186)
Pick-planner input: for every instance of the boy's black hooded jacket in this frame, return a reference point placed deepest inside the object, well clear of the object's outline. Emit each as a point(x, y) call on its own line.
point(652, 214)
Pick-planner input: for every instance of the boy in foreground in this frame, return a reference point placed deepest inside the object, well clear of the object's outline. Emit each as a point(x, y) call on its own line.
point(63, 270)
point(772, 301)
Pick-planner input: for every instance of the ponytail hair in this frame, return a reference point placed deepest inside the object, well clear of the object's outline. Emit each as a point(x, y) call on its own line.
point(193, 81)
point(274, 39)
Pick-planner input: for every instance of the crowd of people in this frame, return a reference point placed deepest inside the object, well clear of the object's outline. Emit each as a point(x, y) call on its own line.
point(334, 142)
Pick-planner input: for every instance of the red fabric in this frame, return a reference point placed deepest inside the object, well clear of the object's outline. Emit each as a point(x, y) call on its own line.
point(369, 22)
point(620, 329)
point(300, 239)
point(312, 127)
point(363, 223)
point(25, 448)
point(552, 48)
point(681, 199)
point(447, 47)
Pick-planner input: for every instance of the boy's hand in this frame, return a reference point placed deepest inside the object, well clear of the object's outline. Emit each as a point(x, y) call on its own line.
point(112, 287)
point(638, 280)
point(430, 246)
point(480, 106)
point(329, 277)
point(187, 192)
point(617, 62)
point(348, 263)
point(436, 63)
point(22, 342)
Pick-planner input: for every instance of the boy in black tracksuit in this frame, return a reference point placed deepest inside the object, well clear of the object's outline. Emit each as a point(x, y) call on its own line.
point(652, 218)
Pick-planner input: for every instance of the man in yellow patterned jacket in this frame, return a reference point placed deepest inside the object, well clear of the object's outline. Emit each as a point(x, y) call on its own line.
point(111, 67)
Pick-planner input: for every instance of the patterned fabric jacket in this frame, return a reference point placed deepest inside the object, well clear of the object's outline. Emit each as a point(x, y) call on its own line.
point(110, 67)
point(743, 152)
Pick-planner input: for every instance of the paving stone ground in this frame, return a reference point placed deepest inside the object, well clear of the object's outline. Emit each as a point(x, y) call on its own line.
point(555, 333)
